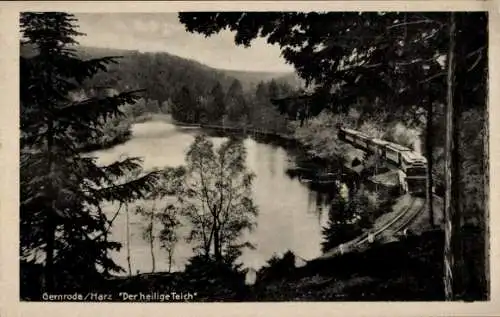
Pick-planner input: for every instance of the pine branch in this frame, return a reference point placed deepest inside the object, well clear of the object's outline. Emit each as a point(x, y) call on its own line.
point(79, 70)
point(118, 168)
point(95, 109)
point(111, 221)
point(131, 190)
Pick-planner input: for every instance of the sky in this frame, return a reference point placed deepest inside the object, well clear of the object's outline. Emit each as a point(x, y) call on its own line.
point(162, 32)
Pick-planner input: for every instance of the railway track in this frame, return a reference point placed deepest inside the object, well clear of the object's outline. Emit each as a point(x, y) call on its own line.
point(406, 222)
point(399, 222)
point(404, 217)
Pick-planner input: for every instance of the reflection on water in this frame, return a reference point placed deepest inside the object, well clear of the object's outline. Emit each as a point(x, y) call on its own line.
point(290, 214)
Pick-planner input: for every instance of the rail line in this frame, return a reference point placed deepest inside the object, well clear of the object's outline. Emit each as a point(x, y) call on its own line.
point(394, 220)
point(412, 217)
point(359, 241)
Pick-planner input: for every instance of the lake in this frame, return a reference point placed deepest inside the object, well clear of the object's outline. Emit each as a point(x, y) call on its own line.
point(291, 215)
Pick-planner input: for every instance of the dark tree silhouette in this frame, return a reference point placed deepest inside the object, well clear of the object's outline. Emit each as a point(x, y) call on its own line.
point(62, 224)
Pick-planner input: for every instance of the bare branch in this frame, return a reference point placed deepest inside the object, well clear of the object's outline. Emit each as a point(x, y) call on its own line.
point(476, 62)
point(479, 50)
point(110, 222)
point(432, 77)
point(426, 21)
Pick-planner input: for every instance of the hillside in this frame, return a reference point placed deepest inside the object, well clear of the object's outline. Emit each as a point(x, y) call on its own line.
point(96, 52)
point(135, 65)
point(252, 78)
point(163, 74)
point(248, 79)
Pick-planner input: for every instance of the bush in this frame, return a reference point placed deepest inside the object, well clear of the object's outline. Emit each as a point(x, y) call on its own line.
point(277, 268)
point(400, 134)
point(215, 280)
point(319, 136)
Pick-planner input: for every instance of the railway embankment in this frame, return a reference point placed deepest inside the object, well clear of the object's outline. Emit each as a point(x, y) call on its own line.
point(408, 215)
point(385, 228)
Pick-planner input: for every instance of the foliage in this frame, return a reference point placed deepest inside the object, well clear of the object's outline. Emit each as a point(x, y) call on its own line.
point(342, 224)
point(473, 169)
point(168, 216)
point(161, 223)
point(216, 106)
point(184, 106)
point(263, 115)
point(384, 63)
point(401, 134)
point(348, 218)
point(416, 275)
point(214, 279)
point(374, 55)
point(110, 131)
point(277, 268)
point(214, 193)
point(62, 224)
point(321, 140)
point(235, 102)
point(192, 92)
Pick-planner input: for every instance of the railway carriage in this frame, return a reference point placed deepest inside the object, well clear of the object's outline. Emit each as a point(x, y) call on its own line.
point(416, 184)
point(362, 141)
point(394, 152)
point(378, 146)
point(356, 138)
point(413, 164)
point(372, 146)
point(348, 135)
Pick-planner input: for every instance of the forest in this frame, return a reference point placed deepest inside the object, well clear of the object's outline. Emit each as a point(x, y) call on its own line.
point(389, 65)
point(192, 92)
point(400, 76)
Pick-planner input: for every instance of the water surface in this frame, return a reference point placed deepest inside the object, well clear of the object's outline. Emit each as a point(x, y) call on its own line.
point(290, 214)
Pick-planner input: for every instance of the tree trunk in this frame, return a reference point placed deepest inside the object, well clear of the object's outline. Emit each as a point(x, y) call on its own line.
point(151, 240)
point(170, 257)
point(461, 278)
point(429, 147)
point(49, 251)
point(217, 249)
point(448, 208)
point(50, 227)
point(486, 219)
point(128, 241)
point(208, 242)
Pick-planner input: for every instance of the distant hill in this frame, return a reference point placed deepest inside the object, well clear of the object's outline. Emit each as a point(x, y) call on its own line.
point(96, 52)
point(252, 78)
point(163, 74)
point(248, 79)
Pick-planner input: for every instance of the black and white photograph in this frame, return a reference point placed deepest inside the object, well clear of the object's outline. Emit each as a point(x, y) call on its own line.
point(254, 156)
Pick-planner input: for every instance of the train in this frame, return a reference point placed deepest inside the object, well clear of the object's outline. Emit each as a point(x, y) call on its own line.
point(413, 164)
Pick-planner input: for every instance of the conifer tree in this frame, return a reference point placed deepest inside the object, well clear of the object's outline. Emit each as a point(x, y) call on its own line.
point(62, 223)
point(343, 223)
point(235, 102)
point(217, 107)
point(185, 108)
